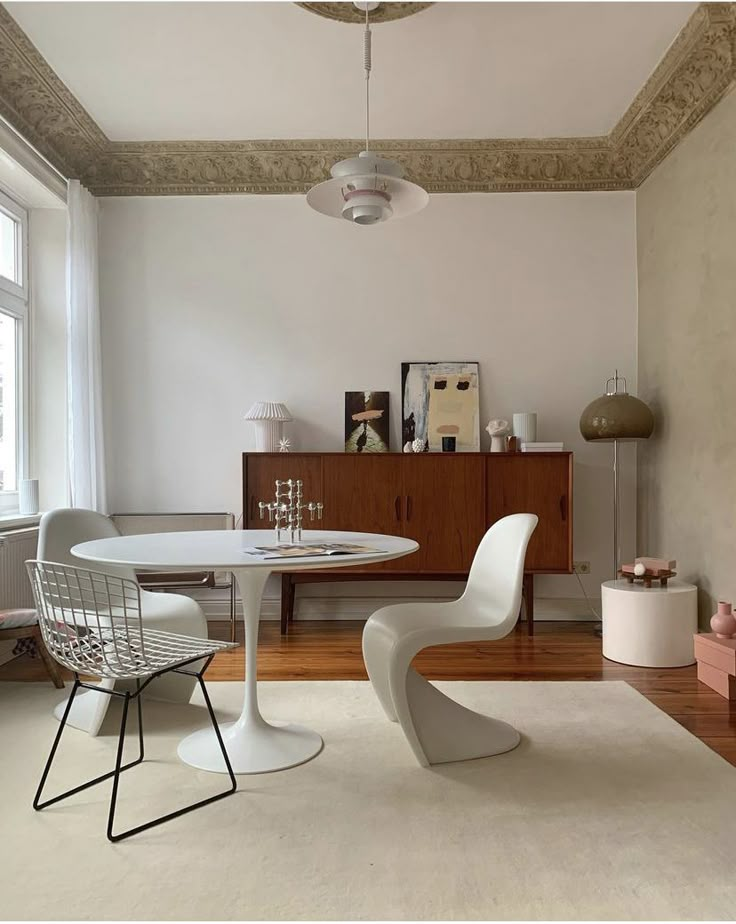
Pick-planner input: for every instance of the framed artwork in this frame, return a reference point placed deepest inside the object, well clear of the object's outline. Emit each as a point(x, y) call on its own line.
point(440, 401)
point(366, 421)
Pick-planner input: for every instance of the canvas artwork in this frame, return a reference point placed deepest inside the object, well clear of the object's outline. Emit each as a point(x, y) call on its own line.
point(440, 400)
point(366, 421)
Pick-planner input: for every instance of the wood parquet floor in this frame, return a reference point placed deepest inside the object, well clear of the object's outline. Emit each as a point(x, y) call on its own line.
point(558, 651)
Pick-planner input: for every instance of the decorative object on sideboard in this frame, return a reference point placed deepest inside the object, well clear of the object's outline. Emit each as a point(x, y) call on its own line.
point(366, 421)
point(285, 511)
point(614, 417)
point(418, 446)
point(723, 622)
point(435, 394)
point(512, 444)
point(268, 418)
point(543, 447)
point(28, 497)
point(525, 427)
point(367, 189)
point(284, 444)
point(448, 433)
point(498, 429)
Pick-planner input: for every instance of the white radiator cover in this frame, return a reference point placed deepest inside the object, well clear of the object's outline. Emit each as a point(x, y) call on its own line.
point(16, 546)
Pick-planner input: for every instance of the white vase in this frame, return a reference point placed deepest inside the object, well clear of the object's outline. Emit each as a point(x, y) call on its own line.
point(525, 427)
point(28, 497)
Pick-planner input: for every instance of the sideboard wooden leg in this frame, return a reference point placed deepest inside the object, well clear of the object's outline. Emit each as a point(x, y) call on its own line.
point(529, 600)
point(287, 602)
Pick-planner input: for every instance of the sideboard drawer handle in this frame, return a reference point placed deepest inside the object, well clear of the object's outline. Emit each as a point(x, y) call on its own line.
point(563, 507)
point(397, 508)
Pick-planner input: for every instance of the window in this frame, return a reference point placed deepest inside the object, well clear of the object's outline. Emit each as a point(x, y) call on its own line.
point(13, 340)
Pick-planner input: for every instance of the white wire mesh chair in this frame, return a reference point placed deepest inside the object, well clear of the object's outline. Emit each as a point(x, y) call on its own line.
point(91, 623)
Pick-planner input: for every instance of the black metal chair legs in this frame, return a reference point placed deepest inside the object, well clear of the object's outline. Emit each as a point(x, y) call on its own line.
point(120, 766)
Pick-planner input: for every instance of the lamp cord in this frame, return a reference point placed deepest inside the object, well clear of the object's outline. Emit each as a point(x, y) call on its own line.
point(367, 66)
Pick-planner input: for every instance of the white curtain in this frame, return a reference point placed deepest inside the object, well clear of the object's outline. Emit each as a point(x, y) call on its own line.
point(85, 445)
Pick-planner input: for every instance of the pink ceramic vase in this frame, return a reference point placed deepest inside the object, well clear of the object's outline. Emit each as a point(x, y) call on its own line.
point(723, 623)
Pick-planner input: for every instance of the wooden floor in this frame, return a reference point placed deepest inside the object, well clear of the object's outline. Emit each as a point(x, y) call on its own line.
point(558, 651)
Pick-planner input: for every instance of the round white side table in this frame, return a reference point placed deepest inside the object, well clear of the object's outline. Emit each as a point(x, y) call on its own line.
point(649, 627)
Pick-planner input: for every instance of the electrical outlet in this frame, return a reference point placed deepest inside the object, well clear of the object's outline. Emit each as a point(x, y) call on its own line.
point(581, 567)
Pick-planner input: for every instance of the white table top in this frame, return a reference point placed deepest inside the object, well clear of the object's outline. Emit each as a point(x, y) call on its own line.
point(673, 587)
point(223, 550)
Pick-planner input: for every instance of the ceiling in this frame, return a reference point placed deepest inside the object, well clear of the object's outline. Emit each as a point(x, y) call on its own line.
point(252, 70)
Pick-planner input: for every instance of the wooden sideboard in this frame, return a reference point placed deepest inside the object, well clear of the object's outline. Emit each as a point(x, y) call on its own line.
point(446, 501)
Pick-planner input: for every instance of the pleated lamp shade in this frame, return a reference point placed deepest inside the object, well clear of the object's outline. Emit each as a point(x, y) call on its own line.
point(268, 418)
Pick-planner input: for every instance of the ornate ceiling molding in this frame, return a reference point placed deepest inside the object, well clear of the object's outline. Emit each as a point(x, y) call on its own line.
point(697, 70)
point(347, 12)
point(41, 108)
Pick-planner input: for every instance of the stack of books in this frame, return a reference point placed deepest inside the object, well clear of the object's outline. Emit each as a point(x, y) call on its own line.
point(542, 447)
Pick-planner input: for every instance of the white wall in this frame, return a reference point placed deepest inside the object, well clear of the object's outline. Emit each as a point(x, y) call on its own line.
point(687, 329)
point(212, 303)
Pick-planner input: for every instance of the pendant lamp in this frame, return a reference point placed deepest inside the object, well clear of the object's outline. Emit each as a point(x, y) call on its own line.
point(367, 189)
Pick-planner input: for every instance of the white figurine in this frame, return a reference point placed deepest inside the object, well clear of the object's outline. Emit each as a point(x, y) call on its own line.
point(497, 429)
point(417, 446)
point(284, 444)
point(407, 447)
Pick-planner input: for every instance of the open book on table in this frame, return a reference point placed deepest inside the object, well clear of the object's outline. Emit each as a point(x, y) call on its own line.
point(285, 550)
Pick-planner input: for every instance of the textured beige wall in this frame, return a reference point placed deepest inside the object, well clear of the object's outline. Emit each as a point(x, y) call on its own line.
point(686, 225)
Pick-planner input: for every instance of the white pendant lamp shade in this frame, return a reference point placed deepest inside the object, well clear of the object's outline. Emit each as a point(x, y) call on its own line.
point(366, 190)
point(268, 418)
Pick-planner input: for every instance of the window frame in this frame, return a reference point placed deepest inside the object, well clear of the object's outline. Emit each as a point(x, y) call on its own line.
point(14, 302)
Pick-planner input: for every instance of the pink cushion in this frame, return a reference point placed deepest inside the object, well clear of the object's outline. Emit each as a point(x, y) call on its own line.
point(16, 619)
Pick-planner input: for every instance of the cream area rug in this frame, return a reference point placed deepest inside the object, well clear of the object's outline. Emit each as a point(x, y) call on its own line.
point(608, 809)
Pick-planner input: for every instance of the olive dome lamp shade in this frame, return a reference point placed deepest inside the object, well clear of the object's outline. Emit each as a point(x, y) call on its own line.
point(614, 417)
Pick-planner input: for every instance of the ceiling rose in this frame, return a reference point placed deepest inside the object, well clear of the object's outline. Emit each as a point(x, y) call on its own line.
point(347, 12)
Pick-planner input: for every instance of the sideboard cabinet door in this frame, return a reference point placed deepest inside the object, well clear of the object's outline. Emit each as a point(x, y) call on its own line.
point(444, 509)
point(362, 492)
point(541, 484)
point(261, 470)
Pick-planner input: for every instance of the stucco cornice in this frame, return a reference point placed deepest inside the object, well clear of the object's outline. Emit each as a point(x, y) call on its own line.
point(697, 70)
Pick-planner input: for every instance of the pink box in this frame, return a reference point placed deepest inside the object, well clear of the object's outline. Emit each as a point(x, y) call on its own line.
point(718, 652)
point(717, 680)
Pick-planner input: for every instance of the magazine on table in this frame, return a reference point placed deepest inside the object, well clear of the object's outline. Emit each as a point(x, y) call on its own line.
point(289, 550)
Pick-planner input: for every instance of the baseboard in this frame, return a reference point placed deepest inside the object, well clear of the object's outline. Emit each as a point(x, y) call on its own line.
point(353, 608)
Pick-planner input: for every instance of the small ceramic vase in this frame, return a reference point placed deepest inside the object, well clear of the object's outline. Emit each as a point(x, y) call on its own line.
point(723, 622)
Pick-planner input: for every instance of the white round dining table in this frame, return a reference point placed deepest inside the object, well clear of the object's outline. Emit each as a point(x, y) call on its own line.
point(253, 744)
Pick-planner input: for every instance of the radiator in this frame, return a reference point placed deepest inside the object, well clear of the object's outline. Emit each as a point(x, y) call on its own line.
point(16, 546)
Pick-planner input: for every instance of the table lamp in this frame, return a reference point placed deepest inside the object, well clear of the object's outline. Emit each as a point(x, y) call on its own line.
point(268, 418)
point(615, 417)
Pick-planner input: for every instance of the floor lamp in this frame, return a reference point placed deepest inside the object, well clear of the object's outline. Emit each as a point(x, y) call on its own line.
point(616, 417)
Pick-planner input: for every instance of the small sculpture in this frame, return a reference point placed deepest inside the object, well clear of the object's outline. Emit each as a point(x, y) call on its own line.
point(408, 446)
point(286, 510)
point(723, 622)
point(497, 429)
point(284, 444)
point(417, 446)
point(647, 570)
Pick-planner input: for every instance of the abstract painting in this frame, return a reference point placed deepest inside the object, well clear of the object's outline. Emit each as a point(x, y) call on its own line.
point(366, 421)
point(440, 400)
